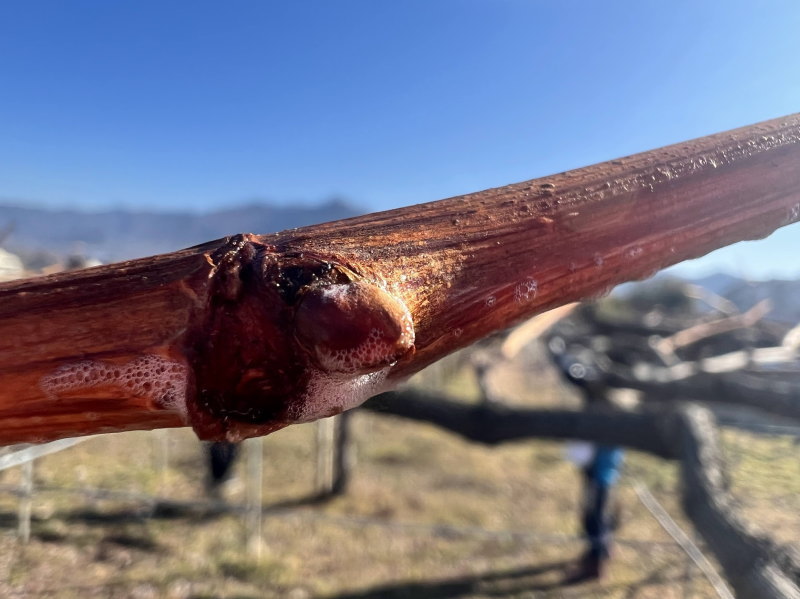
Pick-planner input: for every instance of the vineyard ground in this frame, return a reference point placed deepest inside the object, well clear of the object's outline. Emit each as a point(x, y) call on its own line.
point(427, 515)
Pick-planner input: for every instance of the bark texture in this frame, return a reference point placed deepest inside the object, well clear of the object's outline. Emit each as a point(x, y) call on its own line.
point(245, 335)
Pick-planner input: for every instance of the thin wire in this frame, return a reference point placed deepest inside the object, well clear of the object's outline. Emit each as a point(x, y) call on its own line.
point(33, 452)
point(682, 539)
point(153, 502)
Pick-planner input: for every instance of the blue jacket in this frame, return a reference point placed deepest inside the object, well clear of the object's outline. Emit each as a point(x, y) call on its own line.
point(605, 465)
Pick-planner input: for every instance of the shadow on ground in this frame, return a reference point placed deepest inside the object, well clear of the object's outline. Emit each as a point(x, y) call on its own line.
point(506, 583)
point(492, 584)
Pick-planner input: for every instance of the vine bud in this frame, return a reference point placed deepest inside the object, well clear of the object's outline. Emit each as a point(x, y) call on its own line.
point(353, 327)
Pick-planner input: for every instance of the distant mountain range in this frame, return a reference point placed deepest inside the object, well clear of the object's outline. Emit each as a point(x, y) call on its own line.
point(122, 234)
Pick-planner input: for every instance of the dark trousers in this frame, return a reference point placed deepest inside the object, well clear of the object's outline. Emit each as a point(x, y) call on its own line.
point(596, 520)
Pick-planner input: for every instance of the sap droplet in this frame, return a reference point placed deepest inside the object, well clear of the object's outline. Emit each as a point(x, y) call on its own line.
point(792, 214)
point(332, 393)
point(665, 172)
point(633, 252)
point(526, 290)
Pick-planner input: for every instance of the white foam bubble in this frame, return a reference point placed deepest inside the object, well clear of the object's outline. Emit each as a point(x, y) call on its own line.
point(373, 351)
point(153, 377)
point(337, 292)
point(329, 394)
point(526, 290)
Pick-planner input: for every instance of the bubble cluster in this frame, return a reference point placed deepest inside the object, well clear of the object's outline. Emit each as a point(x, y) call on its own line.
point(153, 377)
point(353, 328)
point(633, 252)
point(374, 350)
point(525, 291)
point(328, 394)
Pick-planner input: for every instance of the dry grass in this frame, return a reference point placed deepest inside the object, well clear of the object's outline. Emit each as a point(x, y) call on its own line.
point(427, 515)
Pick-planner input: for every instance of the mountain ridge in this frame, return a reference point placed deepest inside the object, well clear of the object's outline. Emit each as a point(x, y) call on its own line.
point(124, 234)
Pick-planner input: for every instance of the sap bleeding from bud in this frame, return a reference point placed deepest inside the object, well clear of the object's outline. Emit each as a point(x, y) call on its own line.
point(289, 337)
point(354, 327)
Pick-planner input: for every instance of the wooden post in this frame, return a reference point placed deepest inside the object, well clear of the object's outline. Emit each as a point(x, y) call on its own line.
point(324, 443)
point(343, 454)
point(334, 455)
point(254, 452)
point(26, 502)
point(161, 442)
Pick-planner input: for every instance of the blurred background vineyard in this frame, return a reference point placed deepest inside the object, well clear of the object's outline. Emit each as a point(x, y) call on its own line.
point(425, 514)
point(135, 128)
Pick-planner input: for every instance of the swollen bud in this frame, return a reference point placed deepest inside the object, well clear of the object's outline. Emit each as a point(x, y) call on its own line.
point(353, 327)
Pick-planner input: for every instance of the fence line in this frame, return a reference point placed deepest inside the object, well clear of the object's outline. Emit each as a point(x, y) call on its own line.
point(282, 511)
point(33, 452)
point(26, 458)
point(253, 510)
point(26, 502)
point(254, 518)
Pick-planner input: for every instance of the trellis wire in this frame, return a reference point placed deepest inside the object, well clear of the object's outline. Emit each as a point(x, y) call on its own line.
point(30, 453)
point(682, 539)
point(443, 530)
point(250, 509)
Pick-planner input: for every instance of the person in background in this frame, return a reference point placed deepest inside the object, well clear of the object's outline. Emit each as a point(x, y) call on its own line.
point(600, 463)
point(601, 473)
point(221, 458)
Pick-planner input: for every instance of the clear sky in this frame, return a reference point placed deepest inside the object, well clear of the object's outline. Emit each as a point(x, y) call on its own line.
point(160, 104)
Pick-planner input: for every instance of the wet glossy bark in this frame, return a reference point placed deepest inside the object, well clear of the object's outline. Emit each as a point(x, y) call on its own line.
point(234, 337)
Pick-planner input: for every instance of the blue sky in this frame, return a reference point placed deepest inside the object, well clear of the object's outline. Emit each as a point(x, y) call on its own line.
point(198, 105)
